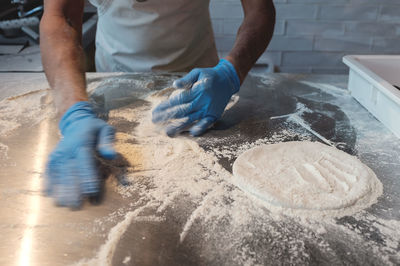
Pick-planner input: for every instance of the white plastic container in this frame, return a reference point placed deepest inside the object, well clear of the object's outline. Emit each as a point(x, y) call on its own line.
point(372, 82)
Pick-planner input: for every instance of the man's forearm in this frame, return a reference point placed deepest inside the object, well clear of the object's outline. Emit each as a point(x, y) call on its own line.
point(253, 36)
point(63, 60)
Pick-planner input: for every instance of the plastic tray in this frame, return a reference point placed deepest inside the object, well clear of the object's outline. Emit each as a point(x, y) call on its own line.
point(374, 81)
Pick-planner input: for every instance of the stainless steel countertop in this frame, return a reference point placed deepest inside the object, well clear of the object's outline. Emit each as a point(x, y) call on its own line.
point(35, 232)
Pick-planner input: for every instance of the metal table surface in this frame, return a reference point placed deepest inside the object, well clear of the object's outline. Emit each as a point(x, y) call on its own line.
point(35, 232)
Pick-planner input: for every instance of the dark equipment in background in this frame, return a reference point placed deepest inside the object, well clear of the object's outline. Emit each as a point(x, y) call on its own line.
point(20, 19)
point(19, 35)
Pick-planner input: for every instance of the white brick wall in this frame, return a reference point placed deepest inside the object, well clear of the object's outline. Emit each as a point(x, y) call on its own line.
point(312, 36)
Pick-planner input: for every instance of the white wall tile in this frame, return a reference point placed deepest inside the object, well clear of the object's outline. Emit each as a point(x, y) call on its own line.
point(314, 27)
point(343, 43)
point(349, 12)
point(311, 36)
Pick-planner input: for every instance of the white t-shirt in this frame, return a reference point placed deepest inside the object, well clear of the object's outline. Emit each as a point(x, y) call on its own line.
point(154, 35)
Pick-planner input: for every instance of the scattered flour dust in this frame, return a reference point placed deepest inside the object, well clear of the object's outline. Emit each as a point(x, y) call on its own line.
point(3, 151)
point(233, 151)
point(176, 166)
point(126, 260)
point(24, 108)
point(307, 177)
point(162, 170)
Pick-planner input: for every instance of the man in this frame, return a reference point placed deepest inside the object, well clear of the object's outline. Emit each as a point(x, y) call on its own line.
point(139, 35)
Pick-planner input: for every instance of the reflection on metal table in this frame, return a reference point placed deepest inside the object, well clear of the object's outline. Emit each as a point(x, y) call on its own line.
point(208, 221)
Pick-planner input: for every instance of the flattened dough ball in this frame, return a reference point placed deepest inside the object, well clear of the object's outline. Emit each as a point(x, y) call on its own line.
point(304, 175)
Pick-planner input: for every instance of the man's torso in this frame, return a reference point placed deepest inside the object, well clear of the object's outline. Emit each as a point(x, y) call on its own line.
point(154, 35)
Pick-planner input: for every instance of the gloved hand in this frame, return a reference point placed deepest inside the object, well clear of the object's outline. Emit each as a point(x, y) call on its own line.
point(207, 92)
point(71, 169)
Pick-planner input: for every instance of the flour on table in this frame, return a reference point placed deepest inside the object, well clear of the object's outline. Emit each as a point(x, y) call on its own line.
point(307, 177)
point(126, 260)
point(171, 167)
point(3, 151)
point(162, 171)
point(29, 108)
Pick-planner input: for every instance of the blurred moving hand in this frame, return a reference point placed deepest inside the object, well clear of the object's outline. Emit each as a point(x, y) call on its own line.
point(71, 169)
point(207, 92)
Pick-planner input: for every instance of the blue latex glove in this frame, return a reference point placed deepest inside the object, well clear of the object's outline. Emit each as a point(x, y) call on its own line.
point(207, 92)
point(71, 169)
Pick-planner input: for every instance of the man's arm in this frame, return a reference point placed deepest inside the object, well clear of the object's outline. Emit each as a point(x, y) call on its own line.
point(203, 103)
point(253, 35)
point(62, 53)
point(71, 173)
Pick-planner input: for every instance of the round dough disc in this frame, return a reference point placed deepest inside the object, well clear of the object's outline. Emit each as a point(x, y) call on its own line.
point(305, 175)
